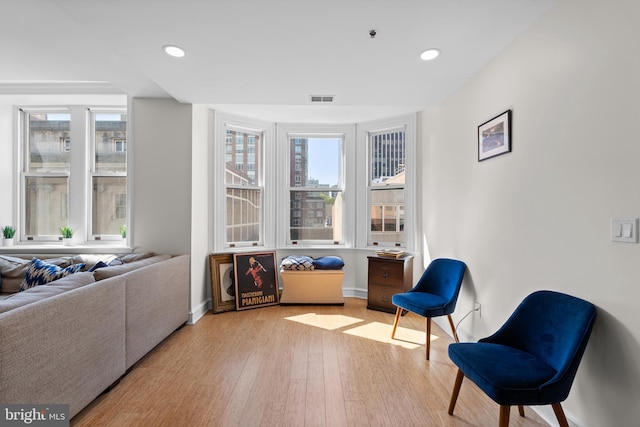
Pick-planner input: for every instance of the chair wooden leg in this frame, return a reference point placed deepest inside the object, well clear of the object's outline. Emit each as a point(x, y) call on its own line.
point(453, 328)
point(428, 336)
point(504, 415)
point(562, 420)
point(456, 391)
point(395, 323)
point(521, 410)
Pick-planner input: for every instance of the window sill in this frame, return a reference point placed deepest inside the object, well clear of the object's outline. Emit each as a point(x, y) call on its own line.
point(53, 248)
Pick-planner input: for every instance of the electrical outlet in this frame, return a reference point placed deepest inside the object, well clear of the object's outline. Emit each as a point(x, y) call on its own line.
point(477, 307)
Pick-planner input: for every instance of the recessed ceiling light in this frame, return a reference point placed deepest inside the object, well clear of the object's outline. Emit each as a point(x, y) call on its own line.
point(174, 51)
point(429, 54)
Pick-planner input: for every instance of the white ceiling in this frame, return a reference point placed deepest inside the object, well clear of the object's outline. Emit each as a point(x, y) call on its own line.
point(262, 58)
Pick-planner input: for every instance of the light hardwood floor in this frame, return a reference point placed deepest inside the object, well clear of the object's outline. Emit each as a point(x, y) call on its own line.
point(296, 366)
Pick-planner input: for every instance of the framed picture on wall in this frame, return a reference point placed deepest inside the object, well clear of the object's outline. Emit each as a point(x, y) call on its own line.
point(223, 284)
point(256, 280)
point(494, 136)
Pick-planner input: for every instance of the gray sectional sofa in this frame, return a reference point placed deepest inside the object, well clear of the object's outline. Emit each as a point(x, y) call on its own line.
point(69, 340)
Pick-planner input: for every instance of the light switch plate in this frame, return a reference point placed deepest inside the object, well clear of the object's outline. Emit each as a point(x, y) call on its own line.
point(624, 230)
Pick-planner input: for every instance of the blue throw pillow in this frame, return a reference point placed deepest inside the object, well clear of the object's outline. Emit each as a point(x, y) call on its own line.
point(98, 265)
point(39, 273)
point(297, 262)
point(328, 263)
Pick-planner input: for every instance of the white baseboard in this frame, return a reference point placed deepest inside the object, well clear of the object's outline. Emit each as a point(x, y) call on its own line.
point(354, 293)
point(198, 312)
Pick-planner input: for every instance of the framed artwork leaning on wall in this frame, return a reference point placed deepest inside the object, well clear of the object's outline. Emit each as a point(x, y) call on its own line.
point(256, 280)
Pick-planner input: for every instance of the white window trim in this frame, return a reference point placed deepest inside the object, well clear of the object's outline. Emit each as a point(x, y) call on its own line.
point(284, 132)
point(79, 189)
point(222, 122)
point(407, 122)
point(91, 237)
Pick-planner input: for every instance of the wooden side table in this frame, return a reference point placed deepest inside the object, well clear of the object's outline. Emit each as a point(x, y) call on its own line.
point(386, 277)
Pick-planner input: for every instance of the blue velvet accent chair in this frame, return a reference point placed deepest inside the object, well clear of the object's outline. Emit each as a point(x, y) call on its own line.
point(533, 358)
point(435, 294)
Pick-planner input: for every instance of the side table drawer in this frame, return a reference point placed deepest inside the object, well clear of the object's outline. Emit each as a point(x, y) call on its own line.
point(386, 273)
point(380, 298)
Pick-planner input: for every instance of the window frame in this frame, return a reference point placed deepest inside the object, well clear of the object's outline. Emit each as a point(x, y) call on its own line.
point(287, 131)
point(221, 122)
point(78, 201)
point(23, 144)
point(92, 112)
point(365, 131)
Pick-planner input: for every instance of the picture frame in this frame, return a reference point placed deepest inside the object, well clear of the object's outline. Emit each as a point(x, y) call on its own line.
point(223, 287)
point(256, 280)
point(494, 136)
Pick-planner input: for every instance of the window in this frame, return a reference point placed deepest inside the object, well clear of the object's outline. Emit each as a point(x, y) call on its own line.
point(119, 145)
point(388, 202)
point(55, 172)
point(386, 187)
point(313, 184)
point(108, 174)
point(316, 186)
point(243, 185)
point(45, 178)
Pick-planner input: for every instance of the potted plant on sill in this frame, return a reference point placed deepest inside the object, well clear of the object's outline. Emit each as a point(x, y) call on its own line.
point(67, 235)
point(8, 231)
point(123, 231)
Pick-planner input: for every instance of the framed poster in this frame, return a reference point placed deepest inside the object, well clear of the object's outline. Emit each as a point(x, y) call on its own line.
point(256, 280)
point(494, 136)
point(223, 288)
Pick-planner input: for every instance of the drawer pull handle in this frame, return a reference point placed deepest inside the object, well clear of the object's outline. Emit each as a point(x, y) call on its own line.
point(385, 274)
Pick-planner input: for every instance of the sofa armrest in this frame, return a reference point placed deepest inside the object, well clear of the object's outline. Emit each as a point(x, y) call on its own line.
point(157, 303)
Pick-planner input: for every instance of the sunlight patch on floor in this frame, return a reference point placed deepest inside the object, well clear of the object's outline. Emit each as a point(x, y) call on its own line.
point(407, 338)
point(325, 321)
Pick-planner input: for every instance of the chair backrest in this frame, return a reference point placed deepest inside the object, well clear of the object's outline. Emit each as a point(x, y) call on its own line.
point(553, 326)
point(442, 277)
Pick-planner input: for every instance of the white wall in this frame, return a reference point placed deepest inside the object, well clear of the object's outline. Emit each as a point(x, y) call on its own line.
point(161, 184)
point(540, 217)
point(201, 215)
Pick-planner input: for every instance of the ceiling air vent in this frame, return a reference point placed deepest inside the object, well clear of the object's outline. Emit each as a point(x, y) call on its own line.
point(321, 98)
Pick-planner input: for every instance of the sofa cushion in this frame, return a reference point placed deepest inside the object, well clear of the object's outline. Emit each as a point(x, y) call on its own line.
point(128, 258)
point(39, 273)
point(13, 270)
point(90, 260)
point(41, 292)
point(98, 265)
point(115, 270)
point(297, 262)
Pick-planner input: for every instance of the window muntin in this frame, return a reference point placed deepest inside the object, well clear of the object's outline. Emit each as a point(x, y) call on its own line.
point(108, 213)
point(315, 196)
point(387, 152)
point(244, 190)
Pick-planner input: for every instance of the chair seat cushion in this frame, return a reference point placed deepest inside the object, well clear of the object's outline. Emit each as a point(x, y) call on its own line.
point(422, 303)
point(508, 375)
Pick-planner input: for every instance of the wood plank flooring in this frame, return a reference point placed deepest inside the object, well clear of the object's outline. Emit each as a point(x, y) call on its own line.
point(297, 366)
